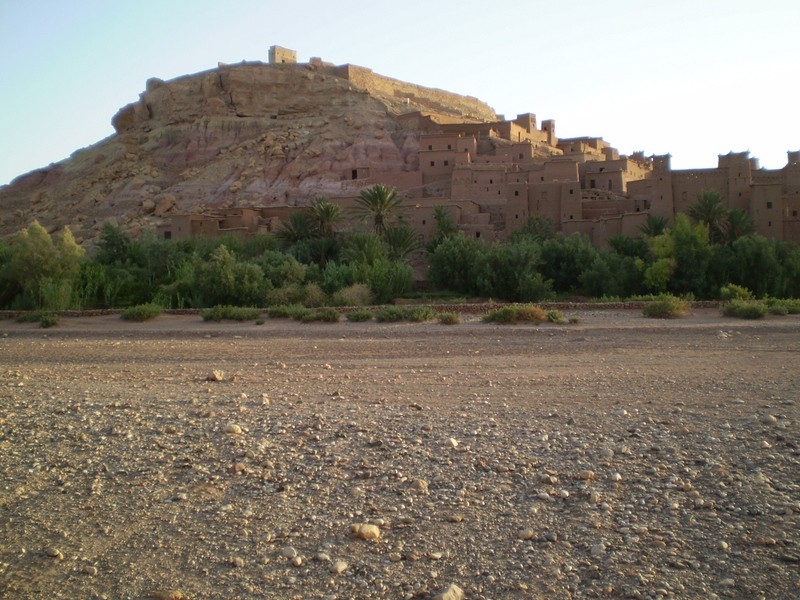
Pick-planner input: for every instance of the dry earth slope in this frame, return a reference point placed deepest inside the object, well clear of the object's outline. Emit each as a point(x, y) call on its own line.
point(246, 134)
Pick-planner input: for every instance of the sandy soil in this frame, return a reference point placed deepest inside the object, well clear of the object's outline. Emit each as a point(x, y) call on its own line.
point(618, 457)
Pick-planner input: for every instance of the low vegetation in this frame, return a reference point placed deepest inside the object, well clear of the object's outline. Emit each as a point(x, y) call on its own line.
point(359, 316)
point(745, 309)
point(142, 312)
point(666, 307)
point(449, 318)
point(516, 313)
point(231, 313)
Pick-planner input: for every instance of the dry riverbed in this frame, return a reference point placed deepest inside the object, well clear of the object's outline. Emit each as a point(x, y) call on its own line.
point(619, 457)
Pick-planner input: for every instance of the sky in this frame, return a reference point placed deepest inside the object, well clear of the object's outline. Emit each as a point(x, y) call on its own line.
point(692, 78)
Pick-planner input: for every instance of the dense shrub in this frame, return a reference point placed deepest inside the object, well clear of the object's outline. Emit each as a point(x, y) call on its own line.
point(449, 318)
point(556, 316)
point(390, 314)
point(745, 309)
point(289, 293)
point(314, 296)
point(48, 320)
point(288, 311)
point(420, 314)
point(735, 292)
point(358, 316)
point(327, 315)
point(785, 306)
point(666, 307)
point(142, 312)
point(357, 294)
point(515, 313)
point(231, 313)
point(388, 279)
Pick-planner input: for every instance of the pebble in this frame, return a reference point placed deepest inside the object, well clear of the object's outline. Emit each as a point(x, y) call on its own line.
point(288, 552)
point(527, 534)
point(452, 592)
point(89, 570)
point(233, 429)
point(338, 567)
point(366, 531)
point(53, 553)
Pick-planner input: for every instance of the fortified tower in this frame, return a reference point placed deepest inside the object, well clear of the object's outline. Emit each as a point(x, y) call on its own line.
point(278, 54)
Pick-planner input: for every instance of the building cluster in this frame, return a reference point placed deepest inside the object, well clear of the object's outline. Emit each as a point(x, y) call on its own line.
point(493, 176)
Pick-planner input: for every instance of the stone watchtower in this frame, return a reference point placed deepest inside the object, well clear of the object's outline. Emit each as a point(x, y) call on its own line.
point(277, 55)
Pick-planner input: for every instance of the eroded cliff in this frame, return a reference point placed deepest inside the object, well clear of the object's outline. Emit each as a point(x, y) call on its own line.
point(248, 134)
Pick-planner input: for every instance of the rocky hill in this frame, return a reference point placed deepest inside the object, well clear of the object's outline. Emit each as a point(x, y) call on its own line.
point(246, 134)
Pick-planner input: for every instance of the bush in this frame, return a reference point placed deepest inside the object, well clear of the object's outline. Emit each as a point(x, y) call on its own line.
point(358, 316)
point(357, 294)
point(289, 293)
point(787, 306)
point(666, 307)
point(391, 314)
point(30, 317)
point(288, 311)
point(48, 320)
point(556, 316)
point(449, 318)
point(515, 313)
point(231, 313)
point(328, 315)
point(314, 296)
point(421, 314)
point(735, 292)
point(745, 309)
point(141, 312)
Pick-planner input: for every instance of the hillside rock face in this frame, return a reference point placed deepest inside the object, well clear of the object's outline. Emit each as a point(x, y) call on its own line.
point(249, 134)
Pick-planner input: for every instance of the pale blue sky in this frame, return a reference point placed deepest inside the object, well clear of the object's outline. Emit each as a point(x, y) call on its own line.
point(695, 78)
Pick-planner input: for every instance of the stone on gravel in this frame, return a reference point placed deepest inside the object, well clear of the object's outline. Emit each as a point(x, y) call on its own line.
point(338, 567)
point(365, 531)
point(452, 592)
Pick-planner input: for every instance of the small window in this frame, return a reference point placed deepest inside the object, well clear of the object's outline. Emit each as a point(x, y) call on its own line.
point(433, 163)
point(167, 235)
point(571, 191)
point(769, 224)
point(430, 147)
point(516, 193)
point(520, 154)
point(449, 147)
point(446, 163)
point(542, 178)
point(477, 234)
point(570, 217)
point(769, 204)
point(592, 183)
point(491, 181)
point(423, 221)
point(609, 184)
point(794, 213)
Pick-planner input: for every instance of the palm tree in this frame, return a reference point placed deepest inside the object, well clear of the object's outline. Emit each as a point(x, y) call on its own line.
point(712, 212)
point(325, 215)
point(738, 224)
point(378, 204)
point(654, 226)
point(298, 228)
point(402, 242)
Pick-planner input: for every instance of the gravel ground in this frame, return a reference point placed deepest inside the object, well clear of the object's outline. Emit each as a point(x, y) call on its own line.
point(619, 457)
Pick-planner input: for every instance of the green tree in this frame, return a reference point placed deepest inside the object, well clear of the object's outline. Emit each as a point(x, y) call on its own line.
point(738, 224)
point(379, 205)
point(36, 269)
point(402, 242)
point(710, 211)
point(446, 226)
point(325, 216)
point(655, 225)
point(298, 228)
